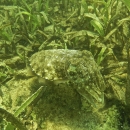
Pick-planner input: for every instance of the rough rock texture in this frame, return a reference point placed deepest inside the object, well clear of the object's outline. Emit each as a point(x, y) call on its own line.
point(71, 67)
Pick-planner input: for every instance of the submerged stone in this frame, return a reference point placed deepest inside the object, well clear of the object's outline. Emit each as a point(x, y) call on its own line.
point(72, 67)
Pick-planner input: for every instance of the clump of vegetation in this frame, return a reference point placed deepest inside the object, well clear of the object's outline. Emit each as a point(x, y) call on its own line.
point(100, 26)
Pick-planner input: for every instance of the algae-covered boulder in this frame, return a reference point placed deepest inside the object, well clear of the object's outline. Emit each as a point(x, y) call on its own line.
point(71, 67)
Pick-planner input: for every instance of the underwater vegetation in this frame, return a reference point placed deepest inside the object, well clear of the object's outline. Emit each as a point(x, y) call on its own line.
point(78, 54)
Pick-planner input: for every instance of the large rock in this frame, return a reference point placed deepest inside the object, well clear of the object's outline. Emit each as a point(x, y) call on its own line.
point(71, 67)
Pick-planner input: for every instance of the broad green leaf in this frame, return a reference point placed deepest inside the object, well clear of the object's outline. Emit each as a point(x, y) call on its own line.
point(49, 28)
point(45, 16)
point(110, 33)
point(101, 55)
point(39, 20)
point(90, 15)
point(92, 34)
point(8, 7)
point(98, 26)
point(28, 101)
point(23, 12)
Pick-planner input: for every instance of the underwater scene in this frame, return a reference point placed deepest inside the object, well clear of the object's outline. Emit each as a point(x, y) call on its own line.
point(64, 65)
